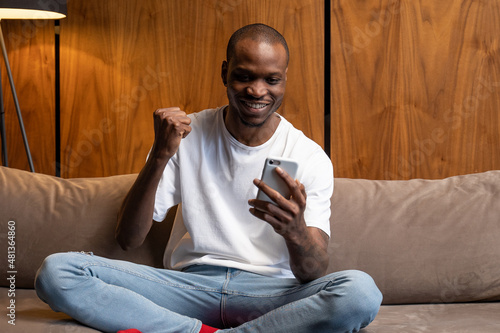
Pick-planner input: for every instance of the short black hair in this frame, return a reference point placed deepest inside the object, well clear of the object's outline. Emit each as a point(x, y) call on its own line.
point(256, 32)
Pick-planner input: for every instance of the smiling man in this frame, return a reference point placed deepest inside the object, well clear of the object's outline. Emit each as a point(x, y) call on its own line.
point(233, 263)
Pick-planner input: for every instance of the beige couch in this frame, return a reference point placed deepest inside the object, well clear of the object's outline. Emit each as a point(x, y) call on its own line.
point(432, 246)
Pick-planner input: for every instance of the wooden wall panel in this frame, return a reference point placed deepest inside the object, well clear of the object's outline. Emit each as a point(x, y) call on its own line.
point(415, 88)
point(414, 91)
point(121, 60)
point(30, 47)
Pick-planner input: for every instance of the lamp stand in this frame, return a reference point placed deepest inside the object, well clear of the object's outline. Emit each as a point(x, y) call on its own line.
point(18, 109)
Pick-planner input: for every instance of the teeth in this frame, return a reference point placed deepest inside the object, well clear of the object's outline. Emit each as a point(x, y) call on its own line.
point(255, 105)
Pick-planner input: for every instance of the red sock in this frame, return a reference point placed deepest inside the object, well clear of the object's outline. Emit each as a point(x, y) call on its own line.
point(207, 329)
point(204, 329)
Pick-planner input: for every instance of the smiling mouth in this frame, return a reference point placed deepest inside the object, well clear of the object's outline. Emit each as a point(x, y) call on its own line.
point(256, 106)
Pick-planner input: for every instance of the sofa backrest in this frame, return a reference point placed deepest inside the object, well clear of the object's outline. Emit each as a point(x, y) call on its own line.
point(421, 240)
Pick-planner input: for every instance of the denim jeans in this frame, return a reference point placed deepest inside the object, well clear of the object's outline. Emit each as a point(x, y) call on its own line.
point(111, 295)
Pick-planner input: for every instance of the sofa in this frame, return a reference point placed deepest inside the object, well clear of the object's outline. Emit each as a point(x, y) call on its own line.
point(432, 246)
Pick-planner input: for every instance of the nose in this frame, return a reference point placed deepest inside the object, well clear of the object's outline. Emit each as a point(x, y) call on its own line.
point(256, 89)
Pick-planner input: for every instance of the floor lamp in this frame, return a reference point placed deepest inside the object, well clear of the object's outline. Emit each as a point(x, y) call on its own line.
point(27, 10)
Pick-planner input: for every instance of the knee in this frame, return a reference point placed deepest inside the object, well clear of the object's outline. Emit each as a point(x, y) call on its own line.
point(49, 279)
point(365, 295)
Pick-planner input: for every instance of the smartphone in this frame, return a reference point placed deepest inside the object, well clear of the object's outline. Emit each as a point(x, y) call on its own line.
point(271, 177)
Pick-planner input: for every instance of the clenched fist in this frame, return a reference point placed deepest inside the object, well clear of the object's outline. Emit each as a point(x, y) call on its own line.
point(171, 126)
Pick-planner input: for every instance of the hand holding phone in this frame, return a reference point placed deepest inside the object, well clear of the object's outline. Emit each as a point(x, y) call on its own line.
point(273, 180)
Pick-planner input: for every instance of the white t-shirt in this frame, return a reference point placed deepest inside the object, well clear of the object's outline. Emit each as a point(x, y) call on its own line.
point(212, 176)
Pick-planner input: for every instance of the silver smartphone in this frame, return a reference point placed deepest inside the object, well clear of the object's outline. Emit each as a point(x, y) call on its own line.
point(271, 177)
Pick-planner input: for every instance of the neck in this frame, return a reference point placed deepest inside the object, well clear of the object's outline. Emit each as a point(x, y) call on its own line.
point(249, 135)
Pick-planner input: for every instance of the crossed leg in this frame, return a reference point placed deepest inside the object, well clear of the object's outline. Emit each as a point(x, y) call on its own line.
point(111, 295)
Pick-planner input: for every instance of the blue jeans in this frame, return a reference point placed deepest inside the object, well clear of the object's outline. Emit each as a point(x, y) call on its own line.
point(111, 295)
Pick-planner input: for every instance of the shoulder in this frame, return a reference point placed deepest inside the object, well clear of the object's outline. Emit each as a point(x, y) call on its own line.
point(204, 123)
point(302, 146)
point(205, 130)
point(314, 164)
point(204, 117)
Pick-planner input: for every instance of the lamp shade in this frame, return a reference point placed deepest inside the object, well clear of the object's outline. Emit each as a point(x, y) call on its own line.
point(33, 9)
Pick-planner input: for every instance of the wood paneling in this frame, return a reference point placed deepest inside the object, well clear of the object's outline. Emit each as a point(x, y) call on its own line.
point(30, 47)
point(415, 88)
point(121, 60)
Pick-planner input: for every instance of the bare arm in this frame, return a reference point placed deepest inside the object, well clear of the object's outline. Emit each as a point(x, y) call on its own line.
point(307, 246)
point(135, 217)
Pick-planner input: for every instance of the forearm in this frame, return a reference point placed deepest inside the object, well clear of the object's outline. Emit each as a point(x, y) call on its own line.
point(135, 217)
point(308, 254)
point(136, 214)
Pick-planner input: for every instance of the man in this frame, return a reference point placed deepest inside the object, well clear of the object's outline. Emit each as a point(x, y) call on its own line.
point(238, 264)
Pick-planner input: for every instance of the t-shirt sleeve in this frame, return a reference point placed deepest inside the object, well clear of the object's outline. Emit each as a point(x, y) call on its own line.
point(318, 182)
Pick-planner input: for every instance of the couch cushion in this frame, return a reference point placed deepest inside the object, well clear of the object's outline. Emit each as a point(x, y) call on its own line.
point(33, 315)
point(55, 215)
point(421, 240)
point(462, 317)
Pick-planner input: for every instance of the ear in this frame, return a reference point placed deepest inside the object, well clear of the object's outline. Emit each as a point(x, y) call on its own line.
point(223, 72)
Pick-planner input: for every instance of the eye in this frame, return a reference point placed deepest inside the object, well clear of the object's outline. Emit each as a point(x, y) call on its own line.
point(273, 80)
point(242, 77)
